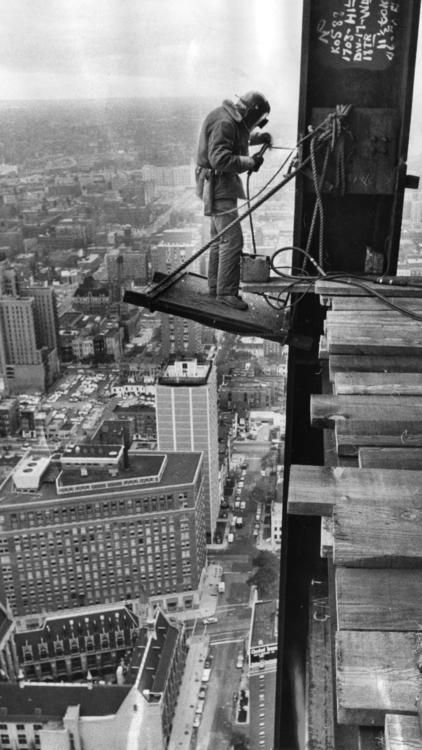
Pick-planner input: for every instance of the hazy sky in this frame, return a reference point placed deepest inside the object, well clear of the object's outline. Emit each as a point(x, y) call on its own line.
point(113, 48)
point(67, 49)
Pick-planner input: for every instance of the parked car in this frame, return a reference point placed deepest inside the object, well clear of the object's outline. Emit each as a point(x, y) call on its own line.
point(209, 620)
point(239, 661)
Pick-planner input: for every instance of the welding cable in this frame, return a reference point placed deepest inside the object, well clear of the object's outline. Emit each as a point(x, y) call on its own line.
point(249, 199)
point(300, 279)
point(281, 305)
point(250, 215)
point(321, 275)
point(353, 280)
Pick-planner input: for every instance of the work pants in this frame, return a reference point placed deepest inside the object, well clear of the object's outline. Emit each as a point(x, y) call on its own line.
point(225, 253)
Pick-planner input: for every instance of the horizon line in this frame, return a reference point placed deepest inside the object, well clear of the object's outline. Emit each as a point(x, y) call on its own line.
point(105, 98)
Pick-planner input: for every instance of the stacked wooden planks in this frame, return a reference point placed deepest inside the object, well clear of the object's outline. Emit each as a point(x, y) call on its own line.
point(369, 496)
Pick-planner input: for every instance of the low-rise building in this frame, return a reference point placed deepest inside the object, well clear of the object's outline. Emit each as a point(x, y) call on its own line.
point(262, 664)
point(142, 659)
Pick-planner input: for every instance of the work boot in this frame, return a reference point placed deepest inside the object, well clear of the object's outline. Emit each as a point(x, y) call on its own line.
point(233, 300)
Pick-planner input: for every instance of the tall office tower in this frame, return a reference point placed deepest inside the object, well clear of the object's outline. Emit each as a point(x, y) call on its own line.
point(8, 279)
point(178, 335)
point(134, 264)
point(45, 313)
point(4, 385)
point(30, 361)
point(128, 261)
point(20, 336)
point(102, 524)
point(187, 420)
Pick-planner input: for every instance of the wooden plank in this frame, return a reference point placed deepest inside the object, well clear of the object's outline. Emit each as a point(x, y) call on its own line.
point(355, 318)
point(370, 341)
point(278, 284)
point(377, 383)
point(319, 685)
point(376, 674)
point(326, 540)
point(368, 363)
point(322, 350)
point(351, 436)
point(387, 458)
point(364, 304)
point(372, 599)
point(402, 733)
point(382, 413)
point(382, 533)
point(362, 327)
point(337, 289)
point(331, 457)
point(314, 490)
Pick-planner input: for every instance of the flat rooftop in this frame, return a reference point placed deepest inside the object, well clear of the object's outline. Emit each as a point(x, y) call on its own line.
point(149, 465)
point(179, 469)
point(92, 450)
point(264, 623)
point(38, 702)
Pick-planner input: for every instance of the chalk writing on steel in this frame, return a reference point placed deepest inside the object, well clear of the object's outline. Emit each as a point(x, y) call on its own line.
point(359, 33)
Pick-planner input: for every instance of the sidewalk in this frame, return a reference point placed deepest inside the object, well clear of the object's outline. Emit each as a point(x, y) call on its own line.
point(181, 734)
point(208, 596)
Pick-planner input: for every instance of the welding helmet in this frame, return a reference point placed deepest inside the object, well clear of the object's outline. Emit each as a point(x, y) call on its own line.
point(254, 108)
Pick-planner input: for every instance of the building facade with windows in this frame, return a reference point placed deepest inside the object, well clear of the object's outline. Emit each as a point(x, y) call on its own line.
point(187, 419)
point(102, 524)
point(134, 707)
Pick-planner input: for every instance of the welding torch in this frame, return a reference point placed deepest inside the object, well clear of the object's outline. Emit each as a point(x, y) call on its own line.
point(260, 154)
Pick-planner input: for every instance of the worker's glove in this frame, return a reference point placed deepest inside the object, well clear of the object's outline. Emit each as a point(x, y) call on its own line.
point(258, 160)
point(261, 139)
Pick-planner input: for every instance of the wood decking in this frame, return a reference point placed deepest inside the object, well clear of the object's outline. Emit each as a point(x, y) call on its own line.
point(369, 497)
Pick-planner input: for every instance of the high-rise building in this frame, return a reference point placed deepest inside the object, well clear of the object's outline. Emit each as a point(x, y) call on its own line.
point(30, 362)
point(45, 313)
point(187, 419)
point(178, 335)
point(22, 343)
point(102, 524)
point(128, 264)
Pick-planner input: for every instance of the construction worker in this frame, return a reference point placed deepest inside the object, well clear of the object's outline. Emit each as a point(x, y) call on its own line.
point(224, 139)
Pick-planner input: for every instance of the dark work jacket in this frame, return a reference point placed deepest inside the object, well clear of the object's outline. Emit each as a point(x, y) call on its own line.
point(223, 147)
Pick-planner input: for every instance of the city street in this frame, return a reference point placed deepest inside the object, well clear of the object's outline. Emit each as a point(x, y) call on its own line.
point(219, 711)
